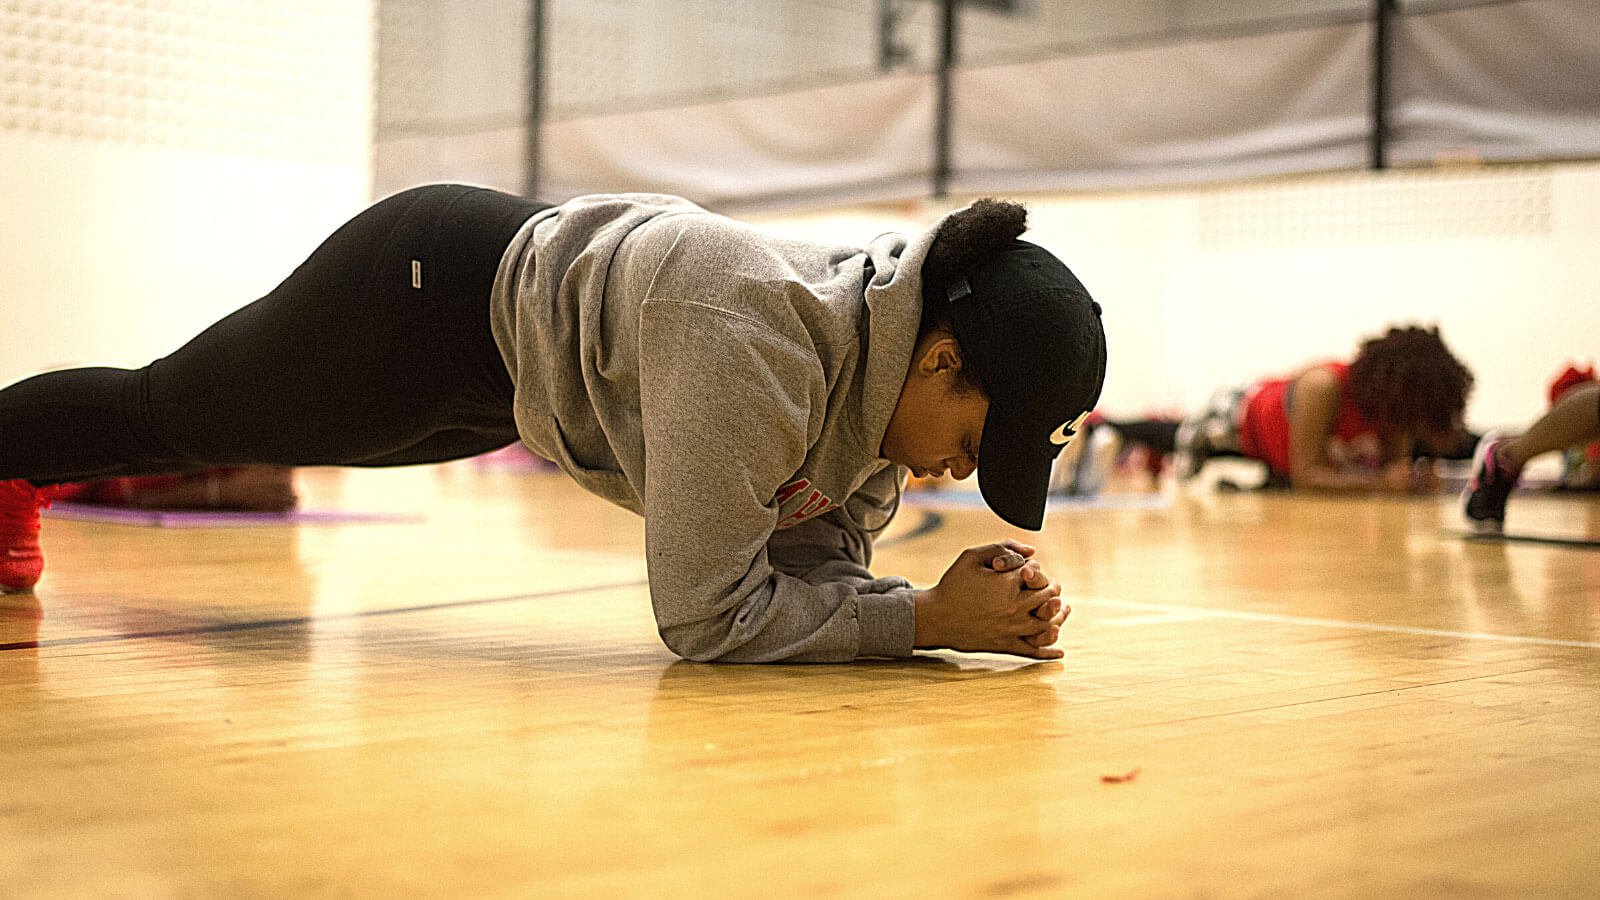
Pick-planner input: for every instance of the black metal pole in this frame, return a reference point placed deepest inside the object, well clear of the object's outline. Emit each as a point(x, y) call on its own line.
point(536, 90)
point(1382, 31)
point(886, 35)
point(941, 137)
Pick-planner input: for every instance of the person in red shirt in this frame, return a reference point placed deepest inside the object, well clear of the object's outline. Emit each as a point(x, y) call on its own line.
point(1337, 426)
point(1581, 465)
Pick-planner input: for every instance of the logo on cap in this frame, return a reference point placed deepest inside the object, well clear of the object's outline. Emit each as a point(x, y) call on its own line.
point(1068, 430)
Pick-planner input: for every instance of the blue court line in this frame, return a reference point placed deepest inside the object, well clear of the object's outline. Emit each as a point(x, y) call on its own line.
point(930, 522)
point(973, 499)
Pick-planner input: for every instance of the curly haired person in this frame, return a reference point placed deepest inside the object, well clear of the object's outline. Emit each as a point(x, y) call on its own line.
point(1335, 426)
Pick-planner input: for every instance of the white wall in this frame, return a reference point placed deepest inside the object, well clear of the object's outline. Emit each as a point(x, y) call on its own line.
point(1203, 286)
point(163, 162)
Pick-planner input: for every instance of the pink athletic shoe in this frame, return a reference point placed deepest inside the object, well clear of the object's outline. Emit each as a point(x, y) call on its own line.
point(1487, 491)
point(21, 562)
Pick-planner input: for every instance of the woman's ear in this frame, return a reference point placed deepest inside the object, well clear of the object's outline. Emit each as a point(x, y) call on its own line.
point(950, 355)
point(943, 354)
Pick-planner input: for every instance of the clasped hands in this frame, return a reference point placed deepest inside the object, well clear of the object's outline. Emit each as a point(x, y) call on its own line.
point(994, 598)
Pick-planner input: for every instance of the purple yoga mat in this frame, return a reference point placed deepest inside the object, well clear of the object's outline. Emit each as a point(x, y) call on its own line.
point(221, 518)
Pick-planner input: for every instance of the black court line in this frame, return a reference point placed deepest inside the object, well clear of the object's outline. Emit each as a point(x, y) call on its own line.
point(1574, 543)
point(225, 627)
point(931, 522)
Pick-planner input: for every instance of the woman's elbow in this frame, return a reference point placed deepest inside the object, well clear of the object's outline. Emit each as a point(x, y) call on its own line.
point(694, 641)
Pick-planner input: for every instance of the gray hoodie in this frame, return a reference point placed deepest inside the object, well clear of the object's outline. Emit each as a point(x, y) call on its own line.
point(734, 388)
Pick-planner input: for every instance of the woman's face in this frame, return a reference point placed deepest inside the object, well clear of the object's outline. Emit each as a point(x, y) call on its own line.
point(936, 427)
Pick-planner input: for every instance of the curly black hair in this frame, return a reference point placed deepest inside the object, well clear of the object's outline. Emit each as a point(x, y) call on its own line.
point(966, 239)
point(1409, 380)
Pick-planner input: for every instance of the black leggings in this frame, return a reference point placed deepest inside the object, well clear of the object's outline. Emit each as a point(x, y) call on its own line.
point(347, 362)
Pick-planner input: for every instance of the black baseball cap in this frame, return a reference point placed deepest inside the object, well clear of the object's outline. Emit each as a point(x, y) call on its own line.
point(1034, 338)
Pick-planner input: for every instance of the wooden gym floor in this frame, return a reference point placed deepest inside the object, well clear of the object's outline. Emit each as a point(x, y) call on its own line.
point(1319, 697)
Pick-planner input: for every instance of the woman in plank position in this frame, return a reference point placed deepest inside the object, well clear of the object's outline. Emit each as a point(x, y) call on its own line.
point(760, 401)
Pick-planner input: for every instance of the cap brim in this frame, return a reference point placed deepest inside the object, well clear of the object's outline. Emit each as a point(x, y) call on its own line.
point(1013, 476)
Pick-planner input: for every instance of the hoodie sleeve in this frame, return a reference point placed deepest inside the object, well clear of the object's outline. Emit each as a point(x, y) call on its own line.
point(727, 406)
point(836, 548)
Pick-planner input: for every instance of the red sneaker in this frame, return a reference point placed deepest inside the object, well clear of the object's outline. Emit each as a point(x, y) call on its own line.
point(21, 562)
